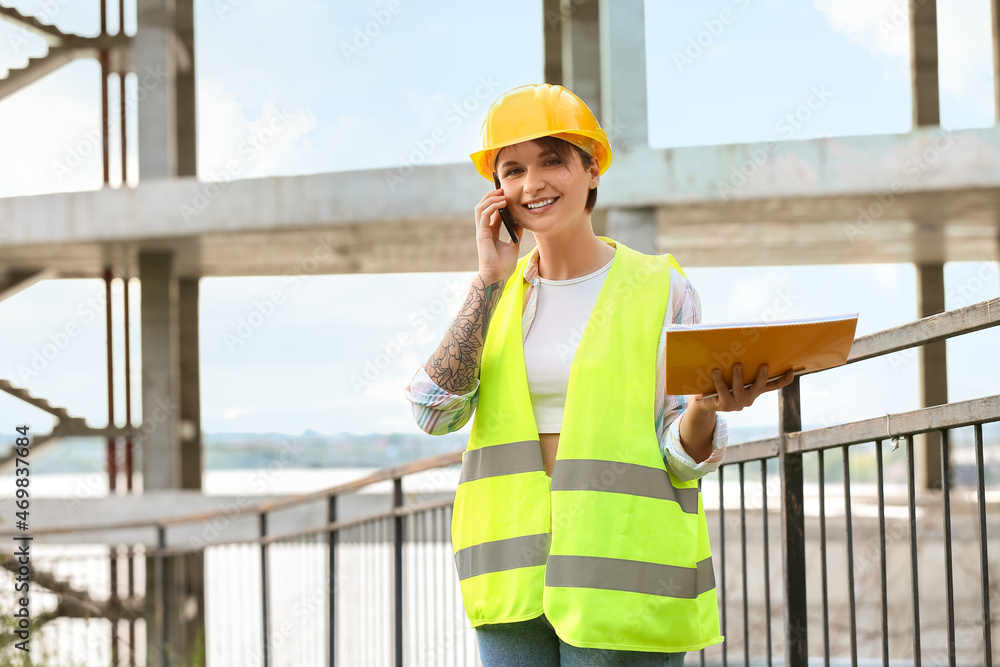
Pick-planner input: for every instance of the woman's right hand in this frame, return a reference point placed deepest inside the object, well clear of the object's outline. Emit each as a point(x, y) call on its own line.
point(497, 259)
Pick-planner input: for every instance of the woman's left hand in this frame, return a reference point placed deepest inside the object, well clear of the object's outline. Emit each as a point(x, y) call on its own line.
point(738, 397)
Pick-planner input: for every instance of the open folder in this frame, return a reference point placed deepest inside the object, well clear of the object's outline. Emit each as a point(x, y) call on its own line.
point(694, 350)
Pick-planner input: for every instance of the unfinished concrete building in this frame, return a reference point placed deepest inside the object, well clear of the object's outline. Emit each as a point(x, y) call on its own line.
point(815, 201)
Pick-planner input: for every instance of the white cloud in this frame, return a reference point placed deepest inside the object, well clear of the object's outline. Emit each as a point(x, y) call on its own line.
point(964, 47)
point(965, 61)
point(887, 276)
point(238, 411)
point(881, 26)
point(247, 147)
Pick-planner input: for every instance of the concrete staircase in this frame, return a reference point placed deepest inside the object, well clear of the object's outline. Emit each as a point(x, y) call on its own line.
point(63, 49)
point(60, 413)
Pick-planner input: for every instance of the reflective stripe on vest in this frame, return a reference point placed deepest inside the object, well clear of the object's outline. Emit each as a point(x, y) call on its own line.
point(618, 574)
point(507, 459)
point(499, 555)
point(618, 477)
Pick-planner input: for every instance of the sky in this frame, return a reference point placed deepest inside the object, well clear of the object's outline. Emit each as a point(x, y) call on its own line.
point(337, 354)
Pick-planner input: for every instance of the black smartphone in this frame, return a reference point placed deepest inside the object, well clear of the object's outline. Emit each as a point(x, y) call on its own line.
point(508, 220)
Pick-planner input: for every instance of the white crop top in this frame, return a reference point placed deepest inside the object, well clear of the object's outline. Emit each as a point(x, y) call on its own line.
point(561, 314)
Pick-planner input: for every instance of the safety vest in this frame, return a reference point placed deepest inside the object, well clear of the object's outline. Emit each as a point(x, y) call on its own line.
point(612, 548)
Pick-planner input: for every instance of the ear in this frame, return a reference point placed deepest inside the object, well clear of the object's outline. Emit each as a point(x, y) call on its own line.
point(595, 172)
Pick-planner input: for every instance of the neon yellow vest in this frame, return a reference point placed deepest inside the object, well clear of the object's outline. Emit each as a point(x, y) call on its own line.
point(613, 549)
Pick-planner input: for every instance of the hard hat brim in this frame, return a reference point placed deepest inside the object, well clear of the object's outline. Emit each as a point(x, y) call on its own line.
point(484, 159)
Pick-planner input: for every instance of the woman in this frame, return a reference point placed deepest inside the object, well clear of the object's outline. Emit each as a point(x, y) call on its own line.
point(578, 529)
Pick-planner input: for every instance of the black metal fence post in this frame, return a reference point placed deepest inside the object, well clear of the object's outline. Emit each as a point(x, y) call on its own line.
point(793, 548)
point(397, 502)
point(984, 560)
point(331, 516)
point(263, 587)
point(160, 581)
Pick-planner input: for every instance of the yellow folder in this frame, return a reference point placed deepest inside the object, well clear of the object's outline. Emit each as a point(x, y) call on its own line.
point(694, 350)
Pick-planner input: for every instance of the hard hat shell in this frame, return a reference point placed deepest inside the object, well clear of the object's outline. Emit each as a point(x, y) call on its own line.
point(541, 110)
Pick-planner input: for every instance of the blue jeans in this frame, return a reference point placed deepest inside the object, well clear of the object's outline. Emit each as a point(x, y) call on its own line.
point(534, 644)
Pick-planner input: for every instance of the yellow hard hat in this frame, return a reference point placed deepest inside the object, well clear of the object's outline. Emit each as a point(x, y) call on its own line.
point(542, 110)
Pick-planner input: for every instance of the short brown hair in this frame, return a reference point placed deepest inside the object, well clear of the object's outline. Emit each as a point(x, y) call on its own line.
point(565, 150)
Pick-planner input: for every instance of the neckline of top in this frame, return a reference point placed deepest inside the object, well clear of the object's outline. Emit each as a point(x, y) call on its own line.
point(573, 281)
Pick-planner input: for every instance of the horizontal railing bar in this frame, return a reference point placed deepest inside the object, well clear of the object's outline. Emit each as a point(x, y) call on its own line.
point(930, 329)
point(752, 451)
point(343, 525)
point(138, 524)
point(385, 474)
point(335, 526)
point(951, 415)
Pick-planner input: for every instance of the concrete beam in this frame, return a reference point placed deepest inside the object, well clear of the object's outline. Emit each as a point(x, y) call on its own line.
point(713, 178)
point(846, 199)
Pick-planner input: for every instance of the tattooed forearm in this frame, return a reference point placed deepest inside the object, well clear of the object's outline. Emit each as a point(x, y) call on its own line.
point(455, 365)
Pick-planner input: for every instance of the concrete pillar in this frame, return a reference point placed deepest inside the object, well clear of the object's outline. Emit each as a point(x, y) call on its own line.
point(159, 450)
point(581, 52)
point(190, 385)
point(635, 227)
point(933, 374)
point(930, 274)
point(571, 30)
point(622, 76)
point(924, 62)
point(995, 7)
point(188, 602)
point(623, 73)
point(169, 315)
point(552, 27)
point(159, 439)
point(183, 576)
point(155, 66)
point(186, 118)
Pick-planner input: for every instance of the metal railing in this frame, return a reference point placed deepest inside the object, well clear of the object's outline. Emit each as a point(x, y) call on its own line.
point(380, 589)
point(789, 450)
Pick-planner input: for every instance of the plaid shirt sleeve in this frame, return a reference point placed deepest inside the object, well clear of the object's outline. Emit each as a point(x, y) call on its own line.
point(685, 308)
point(435, 410)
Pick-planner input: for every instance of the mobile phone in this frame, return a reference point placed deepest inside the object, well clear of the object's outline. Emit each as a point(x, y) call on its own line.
point(508, 220)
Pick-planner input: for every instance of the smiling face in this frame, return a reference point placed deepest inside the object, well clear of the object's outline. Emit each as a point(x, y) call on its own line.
point(545, 190)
